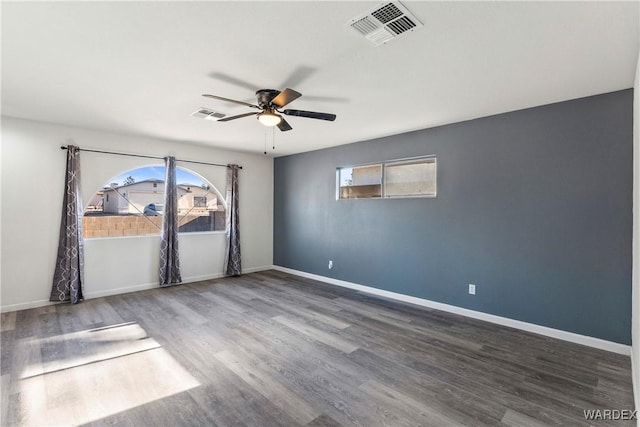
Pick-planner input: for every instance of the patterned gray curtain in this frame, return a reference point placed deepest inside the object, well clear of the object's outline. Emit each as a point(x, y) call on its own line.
point(69, 272)
point(169, 259)
point(232, 264)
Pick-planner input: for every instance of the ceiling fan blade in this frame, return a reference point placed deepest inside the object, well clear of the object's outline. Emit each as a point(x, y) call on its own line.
point(232, 100)
point(285, 97)
point(310, 114)
point(239, 116)
point(233, 80)
point(297, 76)
point(284, 125)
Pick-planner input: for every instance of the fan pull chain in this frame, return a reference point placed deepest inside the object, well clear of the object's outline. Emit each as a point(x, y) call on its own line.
point(265, 142)
point(273, 138)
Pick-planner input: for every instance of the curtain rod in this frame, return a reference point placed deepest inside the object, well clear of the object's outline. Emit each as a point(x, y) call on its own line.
point(64, 147)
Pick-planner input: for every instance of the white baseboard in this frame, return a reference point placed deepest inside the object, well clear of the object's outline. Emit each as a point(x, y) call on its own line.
point(118, 291)
point(123, 290)
point(504, 321)
point(635, 376)
point(25, 305)
point(256, 269)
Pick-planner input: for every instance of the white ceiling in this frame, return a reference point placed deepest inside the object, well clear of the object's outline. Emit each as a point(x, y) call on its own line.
point(141, 67)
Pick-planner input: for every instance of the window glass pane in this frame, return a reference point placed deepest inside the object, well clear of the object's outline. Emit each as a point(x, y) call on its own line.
point(200, 207)
point(410, 179)
point(132, 204)
point(360, 182)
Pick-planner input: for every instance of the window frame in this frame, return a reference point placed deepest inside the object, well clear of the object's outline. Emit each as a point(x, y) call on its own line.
point(383, 166)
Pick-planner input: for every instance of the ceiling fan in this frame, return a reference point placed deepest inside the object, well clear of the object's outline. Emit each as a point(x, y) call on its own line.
point(269, 103)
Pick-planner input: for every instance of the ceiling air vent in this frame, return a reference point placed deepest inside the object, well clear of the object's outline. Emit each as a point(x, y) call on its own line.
point(385, 22)
point(205, 113)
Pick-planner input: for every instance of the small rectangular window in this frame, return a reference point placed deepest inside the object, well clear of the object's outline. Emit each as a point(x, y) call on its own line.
point(414, 177)
point(199, 202)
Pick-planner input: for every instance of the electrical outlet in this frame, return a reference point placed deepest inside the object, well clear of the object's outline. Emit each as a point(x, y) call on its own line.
point(472, 289)
point(330, 264)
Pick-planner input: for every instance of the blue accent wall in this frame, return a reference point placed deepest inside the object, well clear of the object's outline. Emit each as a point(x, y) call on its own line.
point(533, 206)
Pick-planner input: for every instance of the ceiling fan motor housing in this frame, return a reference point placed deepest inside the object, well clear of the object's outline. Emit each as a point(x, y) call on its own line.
point(265, 96)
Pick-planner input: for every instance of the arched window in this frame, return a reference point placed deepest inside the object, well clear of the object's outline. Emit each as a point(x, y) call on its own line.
point(132, 204)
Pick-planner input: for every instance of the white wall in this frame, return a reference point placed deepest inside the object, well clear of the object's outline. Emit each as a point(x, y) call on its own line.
point(32, 176)
point(635, 293)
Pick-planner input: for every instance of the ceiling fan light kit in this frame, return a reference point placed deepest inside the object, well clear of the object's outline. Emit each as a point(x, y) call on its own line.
point(269, 102)
point(269, 118)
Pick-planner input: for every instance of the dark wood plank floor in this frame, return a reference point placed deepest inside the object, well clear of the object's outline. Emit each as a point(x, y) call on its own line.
point(271, 349)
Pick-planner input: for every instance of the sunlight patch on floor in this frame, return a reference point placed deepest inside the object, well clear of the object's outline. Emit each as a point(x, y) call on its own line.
point(116, 369)
point(66, 351)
